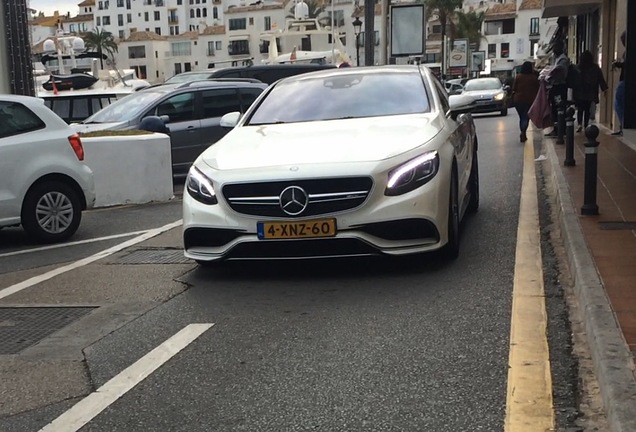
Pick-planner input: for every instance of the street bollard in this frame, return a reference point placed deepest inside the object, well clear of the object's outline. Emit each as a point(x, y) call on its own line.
point(569, 137)
point(561, 122)
point(591, 167)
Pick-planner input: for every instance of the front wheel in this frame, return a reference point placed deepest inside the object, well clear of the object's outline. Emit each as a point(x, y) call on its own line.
point(504, 112)
point(451, 249)
point(51, 212)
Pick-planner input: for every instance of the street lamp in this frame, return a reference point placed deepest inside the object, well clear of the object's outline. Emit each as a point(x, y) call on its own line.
point(357, 28)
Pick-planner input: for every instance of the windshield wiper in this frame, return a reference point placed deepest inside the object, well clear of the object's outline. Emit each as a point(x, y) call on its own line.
point(264, 124)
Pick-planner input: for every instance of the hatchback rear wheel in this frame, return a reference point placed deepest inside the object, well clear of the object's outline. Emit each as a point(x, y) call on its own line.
point(51, 212)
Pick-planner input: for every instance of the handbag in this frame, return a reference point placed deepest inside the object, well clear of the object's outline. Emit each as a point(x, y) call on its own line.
point(540, 112)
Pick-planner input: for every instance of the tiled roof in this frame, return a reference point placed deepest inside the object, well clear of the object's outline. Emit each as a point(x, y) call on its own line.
point(186, 35)
point(504, 8)
point(79, 18)
point(255, 7)
point(87, 3)
point(144, 36)
point(531, 4)
point(214, 30)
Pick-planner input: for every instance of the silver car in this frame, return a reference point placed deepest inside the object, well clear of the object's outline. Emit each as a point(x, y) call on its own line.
point(488, 94)
point(193, 109)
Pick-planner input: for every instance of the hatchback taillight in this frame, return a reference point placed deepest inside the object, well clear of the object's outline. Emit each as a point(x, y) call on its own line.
point(76, 144)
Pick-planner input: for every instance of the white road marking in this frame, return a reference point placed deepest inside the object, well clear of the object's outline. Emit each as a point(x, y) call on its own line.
point(88, 408)
point(99, 255)
point(75, 243)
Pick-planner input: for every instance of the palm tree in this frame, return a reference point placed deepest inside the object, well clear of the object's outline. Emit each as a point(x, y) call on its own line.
point(445, 11)
point(468, 26)
point(101, 41)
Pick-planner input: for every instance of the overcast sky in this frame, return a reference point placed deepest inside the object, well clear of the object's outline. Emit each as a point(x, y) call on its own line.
point(50, 6)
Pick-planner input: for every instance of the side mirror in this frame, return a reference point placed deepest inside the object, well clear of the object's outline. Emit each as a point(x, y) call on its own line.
point(154, 124)
point(460, 104)
point(230, 120)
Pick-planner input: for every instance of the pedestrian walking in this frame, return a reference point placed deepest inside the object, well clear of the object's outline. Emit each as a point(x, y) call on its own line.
point(619, 97)
point(586, 94)
point(524, 91)
point(557, 82)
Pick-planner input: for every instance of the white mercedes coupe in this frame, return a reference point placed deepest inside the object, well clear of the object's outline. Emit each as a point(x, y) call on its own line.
point(337, 163)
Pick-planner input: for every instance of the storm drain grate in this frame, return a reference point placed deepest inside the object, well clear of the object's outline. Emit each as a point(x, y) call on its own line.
point(22, 327)
point(617, 225)
point(154, 256)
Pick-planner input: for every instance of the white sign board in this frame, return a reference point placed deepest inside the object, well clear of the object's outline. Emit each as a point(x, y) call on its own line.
point(408, 30)
point(459, 54)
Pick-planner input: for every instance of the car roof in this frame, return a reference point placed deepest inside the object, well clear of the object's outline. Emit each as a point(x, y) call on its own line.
point(205, 83)
point(354, 71)
point(316, 66)
point(26, 100)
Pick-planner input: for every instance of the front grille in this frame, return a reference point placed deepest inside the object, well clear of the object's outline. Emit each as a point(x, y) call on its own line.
point(310, 248)
point(324, 196)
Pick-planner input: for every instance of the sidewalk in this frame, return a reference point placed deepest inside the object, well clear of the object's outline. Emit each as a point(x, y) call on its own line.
point(602, 256)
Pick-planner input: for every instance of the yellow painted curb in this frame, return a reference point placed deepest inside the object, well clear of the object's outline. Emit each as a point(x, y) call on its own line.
point(529, 405)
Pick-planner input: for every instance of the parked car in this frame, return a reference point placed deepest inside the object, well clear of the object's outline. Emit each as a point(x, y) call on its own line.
point(44, 183)
point(193, 110)
point(358, 161)
point(489, 95)
point(270, 73)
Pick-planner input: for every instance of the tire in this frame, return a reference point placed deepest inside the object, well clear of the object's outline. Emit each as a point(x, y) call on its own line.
point(451, 249)
point(473, 184)
point(51, 212)
point(504, 112)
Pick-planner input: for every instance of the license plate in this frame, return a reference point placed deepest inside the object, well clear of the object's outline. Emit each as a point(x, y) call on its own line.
point(295, 230)
point(484, 102)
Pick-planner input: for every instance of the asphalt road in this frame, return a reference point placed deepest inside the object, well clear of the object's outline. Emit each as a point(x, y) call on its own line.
point(417, 344)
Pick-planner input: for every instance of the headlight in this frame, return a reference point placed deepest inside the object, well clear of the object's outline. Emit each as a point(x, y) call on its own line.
point(200, 187)
point(412, 174)
point(499, 96)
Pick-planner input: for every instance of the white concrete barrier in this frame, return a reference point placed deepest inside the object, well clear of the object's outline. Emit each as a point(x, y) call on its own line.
point(133, 169)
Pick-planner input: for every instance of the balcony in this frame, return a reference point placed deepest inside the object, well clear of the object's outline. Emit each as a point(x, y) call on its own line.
point(559, 8)
point(210, 52)
point(159, 3)
point(173, 20)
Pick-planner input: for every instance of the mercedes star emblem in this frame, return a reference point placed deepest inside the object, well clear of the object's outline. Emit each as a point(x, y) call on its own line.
point(293, 200)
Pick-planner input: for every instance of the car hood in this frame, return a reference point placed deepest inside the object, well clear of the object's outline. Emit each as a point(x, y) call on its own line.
point(91, 127)
point(335, 141)
point(479, 93)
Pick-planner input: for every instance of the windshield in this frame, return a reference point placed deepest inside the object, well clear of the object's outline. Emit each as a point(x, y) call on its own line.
point(483, 84)
point(125, 109)
point(183, 78)
point(341, 95)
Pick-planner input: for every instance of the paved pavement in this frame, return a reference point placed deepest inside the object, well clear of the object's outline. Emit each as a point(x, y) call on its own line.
point(602, 255)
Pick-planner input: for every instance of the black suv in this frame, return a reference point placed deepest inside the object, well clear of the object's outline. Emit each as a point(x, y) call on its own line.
point(194, 112)
point(268, 74)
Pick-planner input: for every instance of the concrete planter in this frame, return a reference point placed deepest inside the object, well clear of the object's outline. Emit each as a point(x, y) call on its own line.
point(132, 169)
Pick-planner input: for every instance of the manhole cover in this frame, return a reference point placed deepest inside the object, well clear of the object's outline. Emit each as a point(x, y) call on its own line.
point(154, 256)
point(22, 327)
point(618, 225)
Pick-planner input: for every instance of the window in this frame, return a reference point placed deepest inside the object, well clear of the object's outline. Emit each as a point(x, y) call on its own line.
point(158, 30)
point(179, 108)
point(377, 38)
point(338, 18)
point(121, 34)
point(264, 46)
point(492, 51)
point(534, 26)
point(217, 103)
point(98, 21)
point(198, 13)
point(437, 29)
point(251, 21)
point(248, 96)
point(177, 68)
point(106, 20)
point(508, 26)
point(492, 28)
point(215, 12)
point(136, 52)
point(534, 44)
point(181, 48)
point(174, 30)
point(120, 20)
point(128, 5)
point(218, 45)
point(505, 50)
point(191, 13)
point(120, 3)
point(128, 18)
point(16, 119)
point(268, 23)
point(140, 71)
point(146, 16)
point(238, 24)
point(238, 47)
point(211, 48)
point(205, 12)
point(157, 15)
point(179, 2)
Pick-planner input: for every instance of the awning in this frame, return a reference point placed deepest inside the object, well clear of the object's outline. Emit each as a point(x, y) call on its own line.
point(559, 8)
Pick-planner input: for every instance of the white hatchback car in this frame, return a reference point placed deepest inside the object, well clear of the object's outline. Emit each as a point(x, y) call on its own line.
point(337, 163)
point(44, 183)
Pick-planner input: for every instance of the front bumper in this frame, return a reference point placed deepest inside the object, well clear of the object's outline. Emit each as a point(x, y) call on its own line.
point(411, 223)
point(490, 106)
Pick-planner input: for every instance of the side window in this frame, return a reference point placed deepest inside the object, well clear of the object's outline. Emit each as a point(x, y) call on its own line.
point(17, 119)
point(179, 108)
point(232, 74)
point(248, 96)
point(270, 76)
point(80, 109)
point(443, 96)
point(61, 107)
point(217, 103)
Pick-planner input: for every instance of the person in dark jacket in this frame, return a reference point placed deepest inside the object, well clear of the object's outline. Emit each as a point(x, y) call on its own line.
point(524, 91)
point(592, 80)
